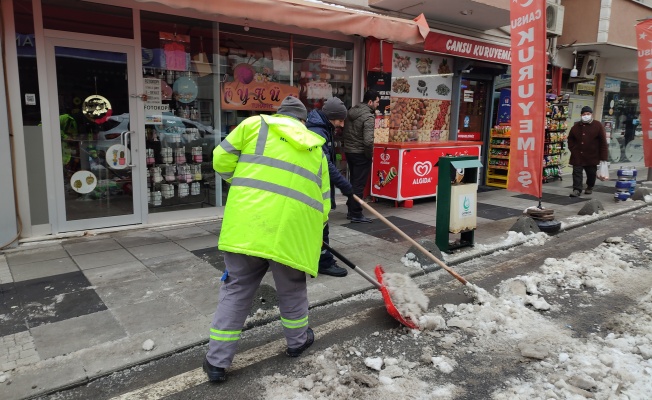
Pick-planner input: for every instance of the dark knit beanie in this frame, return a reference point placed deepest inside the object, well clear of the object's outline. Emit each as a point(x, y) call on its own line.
point(293, 107)
point(586, 109)
point(334, 109)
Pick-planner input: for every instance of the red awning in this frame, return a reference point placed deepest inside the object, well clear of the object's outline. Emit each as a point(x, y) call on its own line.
point(312, 15)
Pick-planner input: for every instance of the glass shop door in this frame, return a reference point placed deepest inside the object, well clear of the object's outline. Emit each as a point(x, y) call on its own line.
point(92, 87)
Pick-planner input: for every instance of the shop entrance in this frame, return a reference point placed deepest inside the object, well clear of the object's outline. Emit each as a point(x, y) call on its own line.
point(473, 106)
point(96, 182)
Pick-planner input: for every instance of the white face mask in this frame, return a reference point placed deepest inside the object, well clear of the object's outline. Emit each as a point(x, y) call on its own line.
point(587, 118)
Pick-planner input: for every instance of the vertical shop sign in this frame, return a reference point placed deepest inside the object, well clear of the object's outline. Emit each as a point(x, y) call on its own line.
point(528, 27)
point(643, 38)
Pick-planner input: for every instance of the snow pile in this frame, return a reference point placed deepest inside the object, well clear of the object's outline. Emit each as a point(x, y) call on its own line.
point(542, 357)
point(337, 373)
point(148, 345)
point(513, 238)
point(406, 296)
point(410, 261)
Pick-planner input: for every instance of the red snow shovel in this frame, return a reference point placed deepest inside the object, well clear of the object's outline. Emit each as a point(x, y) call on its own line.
point(389, 305)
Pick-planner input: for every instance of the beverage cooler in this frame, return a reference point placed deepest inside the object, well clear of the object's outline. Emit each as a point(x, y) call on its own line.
point(408, 170)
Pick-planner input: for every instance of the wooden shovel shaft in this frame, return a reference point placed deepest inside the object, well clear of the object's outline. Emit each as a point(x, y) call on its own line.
point(409, 239)
point(352, 266)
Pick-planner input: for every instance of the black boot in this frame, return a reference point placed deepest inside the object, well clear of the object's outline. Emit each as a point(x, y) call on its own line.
point(215, 374)
point(332, 270)
point(296, 352)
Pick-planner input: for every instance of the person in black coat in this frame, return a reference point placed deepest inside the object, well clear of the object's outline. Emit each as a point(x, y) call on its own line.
point(587, 142)
point(323, 122)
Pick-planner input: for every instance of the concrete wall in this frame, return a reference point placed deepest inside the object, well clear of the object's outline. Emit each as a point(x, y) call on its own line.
point(624, 17)
point(581, 19)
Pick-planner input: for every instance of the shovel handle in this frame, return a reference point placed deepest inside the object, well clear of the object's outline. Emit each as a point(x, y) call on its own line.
point(353, 266)
point(409, 239)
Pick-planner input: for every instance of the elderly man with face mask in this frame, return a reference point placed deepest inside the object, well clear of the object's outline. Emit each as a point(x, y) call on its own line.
point(587, 142)
point(324, 122)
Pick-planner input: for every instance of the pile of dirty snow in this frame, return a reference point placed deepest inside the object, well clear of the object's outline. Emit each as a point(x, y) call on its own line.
point(513, 322)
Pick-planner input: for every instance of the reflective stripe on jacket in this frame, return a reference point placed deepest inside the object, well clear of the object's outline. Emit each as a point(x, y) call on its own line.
point(279, 198)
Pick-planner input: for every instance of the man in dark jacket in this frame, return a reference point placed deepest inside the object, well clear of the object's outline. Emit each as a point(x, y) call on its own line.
point(358, 140)
point(323, 122)
point(587, 142)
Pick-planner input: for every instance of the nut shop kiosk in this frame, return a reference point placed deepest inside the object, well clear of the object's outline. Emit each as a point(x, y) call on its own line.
point(413, 131)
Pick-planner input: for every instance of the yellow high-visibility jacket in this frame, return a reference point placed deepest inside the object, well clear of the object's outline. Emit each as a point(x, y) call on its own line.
point(279, 197)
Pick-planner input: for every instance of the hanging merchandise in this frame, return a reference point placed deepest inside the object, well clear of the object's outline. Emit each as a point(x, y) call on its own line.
point(200, 61)
point(183, 189)
point(194, 189)
point(169, 173)
point(185, 91)
point(196, 172)
point(156, 198)
point(180, 155)
point(176, 49)
point(197, 155)
point(183, 173)
point(155, 173)
point(166, 155)
point(167, 190)
point(149, 158)
point(97, 108)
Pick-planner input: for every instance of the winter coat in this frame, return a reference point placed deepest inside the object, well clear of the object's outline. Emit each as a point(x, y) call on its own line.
point(358, 136)
point(587, 144)
point(278, 199)
point(318, 123)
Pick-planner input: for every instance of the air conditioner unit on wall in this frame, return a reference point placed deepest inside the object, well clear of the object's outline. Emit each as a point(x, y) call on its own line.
point(589, 66)
point(554, 19)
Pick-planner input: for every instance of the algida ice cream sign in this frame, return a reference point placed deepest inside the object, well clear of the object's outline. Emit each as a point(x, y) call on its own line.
point(258, 96)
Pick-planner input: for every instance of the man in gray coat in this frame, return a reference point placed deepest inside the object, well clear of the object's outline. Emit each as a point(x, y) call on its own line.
point(587, 142)
point(358, 138)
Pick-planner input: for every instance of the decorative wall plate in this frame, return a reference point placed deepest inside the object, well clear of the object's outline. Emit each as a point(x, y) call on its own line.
point(185, 89)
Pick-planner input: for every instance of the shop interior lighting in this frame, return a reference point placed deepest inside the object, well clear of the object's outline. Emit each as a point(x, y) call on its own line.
point(246, 25)
point(466, 12)
point(573, 72)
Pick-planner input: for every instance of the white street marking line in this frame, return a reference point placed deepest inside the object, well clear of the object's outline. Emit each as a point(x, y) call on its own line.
point(197, 376)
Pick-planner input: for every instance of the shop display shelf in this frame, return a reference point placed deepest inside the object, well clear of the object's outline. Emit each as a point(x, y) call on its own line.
point(500, 136)
point(499, 146)
point(498, 167)
point(498, 157)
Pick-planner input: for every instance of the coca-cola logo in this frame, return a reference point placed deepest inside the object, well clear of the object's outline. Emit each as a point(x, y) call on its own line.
point(422, 168)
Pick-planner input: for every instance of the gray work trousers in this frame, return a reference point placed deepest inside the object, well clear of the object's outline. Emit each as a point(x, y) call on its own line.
point(236, 297)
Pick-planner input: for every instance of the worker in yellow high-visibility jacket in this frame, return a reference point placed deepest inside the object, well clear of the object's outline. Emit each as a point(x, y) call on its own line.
point(277, 206)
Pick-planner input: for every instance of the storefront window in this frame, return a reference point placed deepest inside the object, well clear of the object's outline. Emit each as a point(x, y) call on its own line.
point(259, 68)
point(322, 69)
point(620, 116)
point(179, 111)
